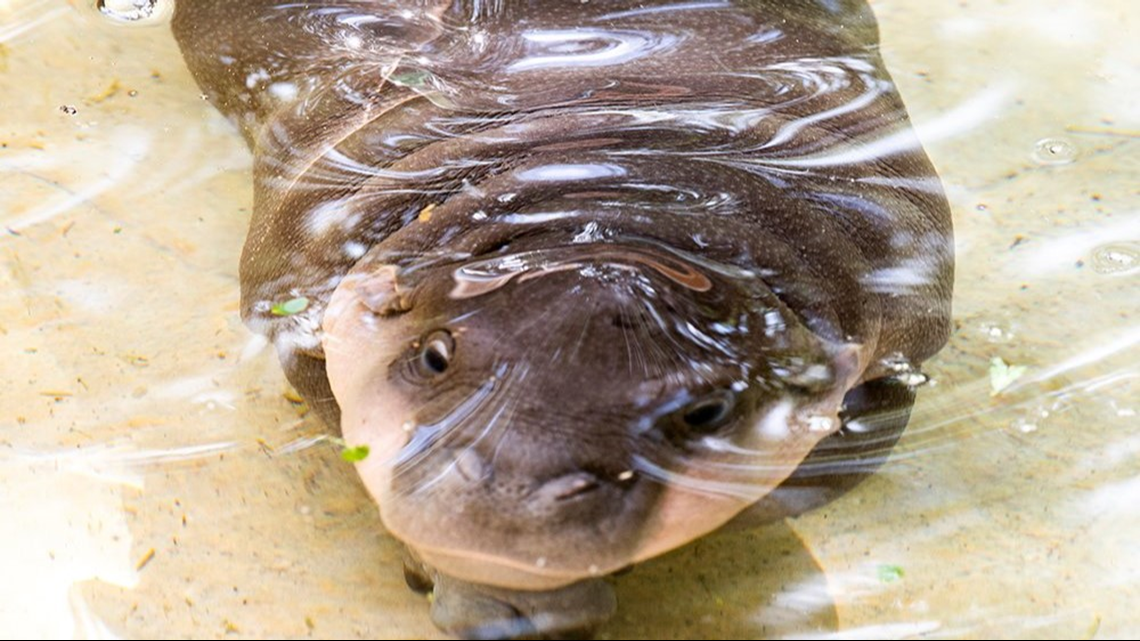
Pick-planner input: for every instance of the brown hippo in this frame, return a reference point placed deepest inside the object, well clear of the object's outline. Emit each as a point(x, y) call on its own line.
point(590, 278)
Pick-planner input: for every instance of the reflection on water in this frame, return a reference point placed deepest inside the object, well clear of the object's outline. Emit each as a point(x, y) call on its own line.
point(165, 484)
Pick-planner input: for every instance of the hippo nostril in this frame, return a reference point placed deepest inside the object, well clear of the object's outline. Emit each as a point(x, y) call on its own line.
point(569, 486)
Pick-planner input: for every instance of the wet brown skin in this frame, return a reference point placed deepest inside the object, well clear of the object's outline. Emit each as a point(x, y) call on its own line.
point(583, 310)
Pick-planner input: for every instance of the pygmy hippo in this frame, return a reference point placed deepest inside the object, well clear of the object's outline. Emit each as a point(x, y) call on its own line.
point(590, 278)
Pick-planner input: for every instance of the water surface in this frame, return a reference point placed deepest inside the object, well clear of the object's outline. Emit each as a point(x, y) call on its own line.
point(156, 480)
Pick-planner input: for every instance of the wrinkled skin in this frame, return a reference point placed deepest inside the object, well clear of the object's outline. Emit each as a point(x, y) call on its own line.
point(590, 280)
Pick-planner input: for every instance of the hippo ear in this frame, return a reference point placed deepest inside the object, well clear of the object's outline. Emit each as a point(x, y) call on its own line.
point(375, 290)
point(379, 291)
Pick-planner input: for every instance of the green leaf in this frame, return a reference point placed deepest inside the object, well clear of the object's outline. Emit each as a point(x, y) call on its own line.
point(1003, 375)
point(290, 307)
point(354, 454)
point(890, 573)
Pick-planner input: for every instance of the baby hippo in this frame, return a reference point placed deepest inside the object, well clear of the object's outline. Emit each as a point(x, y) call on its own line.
point(590, 279)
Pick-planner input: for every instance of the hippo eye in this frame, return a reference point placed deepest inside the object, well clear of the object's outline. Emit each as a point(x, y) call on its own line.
point(707, 414)
point(436, 352)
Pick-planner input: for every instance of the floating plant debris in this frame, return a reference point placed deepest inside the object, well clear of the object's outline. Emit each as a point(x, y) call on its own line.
point(290, 307)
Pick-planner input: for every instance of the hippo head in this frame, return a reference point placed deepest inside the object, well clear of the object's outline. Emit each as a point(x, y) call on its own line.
point(548, 413)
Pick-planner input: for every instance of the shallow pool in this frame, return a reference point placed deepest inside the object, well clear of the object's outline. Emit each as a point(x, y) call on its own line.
point(157, 480)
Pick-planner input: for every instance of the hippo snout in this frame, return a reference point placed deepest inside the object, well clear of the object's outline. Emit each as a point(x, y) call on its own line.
point(504, 477)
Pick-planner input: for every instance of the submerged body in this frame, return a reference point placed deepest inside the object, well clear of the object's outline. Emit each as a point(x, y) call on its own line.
point(590, 279)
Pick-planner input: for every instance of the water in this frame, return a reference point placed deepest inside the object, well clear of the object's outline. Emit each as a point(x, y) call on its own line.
point(156, 481)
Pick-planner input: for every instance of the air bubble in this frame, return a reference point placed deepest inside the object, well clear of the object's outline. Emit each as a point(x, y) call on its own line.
point(820, 423)
point(897, 363)
point(1054, 151)
point(904, 371)
point(913, 379)
point(1024, 426)
point(996, 331)
point(1039, 416)
point(1116, 259)
point(136, 12)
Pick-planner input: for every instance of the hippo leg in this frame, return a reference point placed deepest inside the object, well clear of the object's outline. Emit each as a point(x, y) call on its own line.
point(874, 416)
point(307, 375)
point(473, 611)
